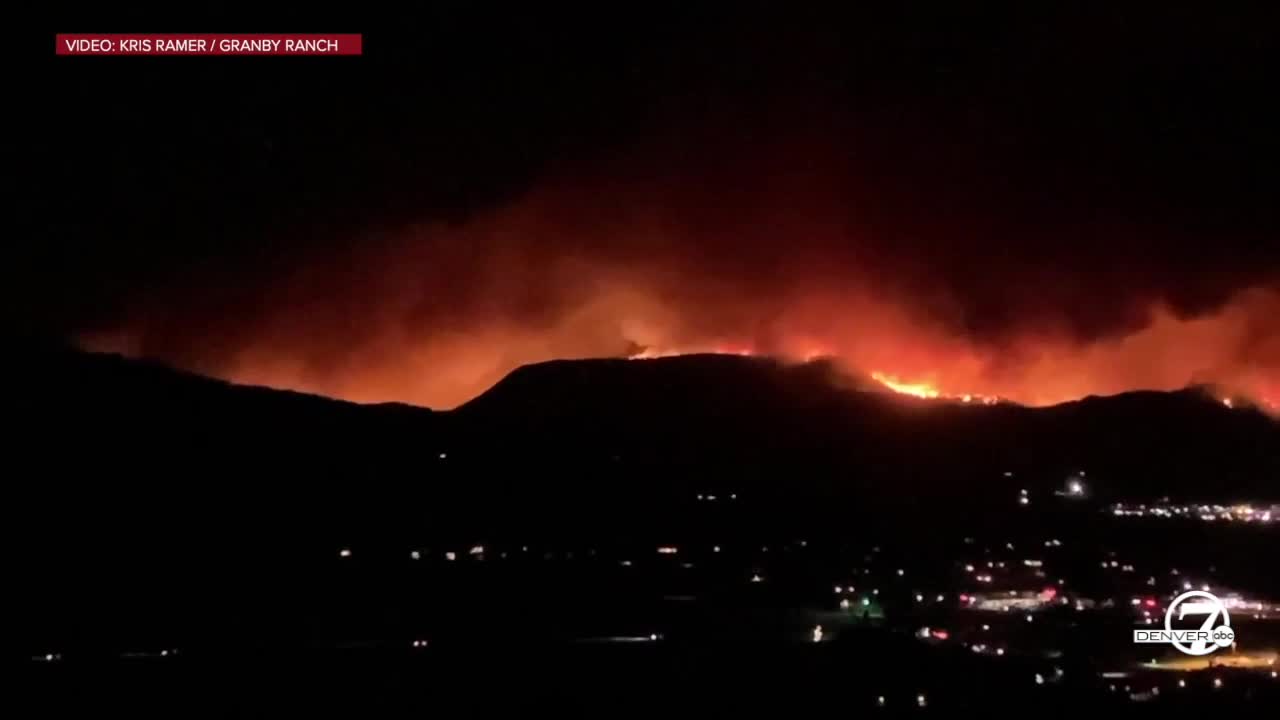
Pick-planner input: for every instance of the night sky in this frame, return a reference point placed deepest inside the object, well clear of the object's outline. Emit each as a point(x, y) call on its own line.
point(1040, 204)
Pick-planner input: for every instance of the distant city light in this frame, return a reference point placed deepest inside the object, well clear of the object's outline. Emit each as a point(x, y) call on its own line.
point(668, 550)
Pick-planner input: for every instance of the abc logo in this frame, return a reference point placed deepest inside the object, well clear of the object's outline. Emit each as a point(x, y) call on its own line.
point(1224, 636)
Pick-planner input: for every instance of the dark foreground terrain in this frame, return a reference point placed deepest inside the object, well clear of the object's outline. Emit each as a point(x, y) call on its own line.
point(697, 536)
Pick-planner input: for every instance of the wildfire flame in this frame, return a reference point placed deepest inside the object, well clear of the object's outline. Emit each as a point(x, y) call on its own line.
point(920, 389)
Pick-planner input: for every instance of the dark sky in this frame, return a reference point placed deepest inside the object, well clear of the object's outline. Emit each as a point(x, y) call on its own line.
point(1038, 203)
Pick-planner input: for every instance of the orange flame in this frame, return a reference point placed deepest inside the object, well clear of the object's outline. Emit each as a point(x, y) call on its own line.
point(919, 389)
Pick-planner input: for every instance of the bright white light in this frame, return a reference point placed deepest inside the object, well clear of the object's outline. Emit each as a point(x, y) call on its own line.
point(844, 604)
point(941, 598)
point(451, 556)
point(477, 550)
point(715, 548)
point(919, 598)
point(901, 572)
point(444, 455)
point(668, 550)
point(1039, 679)
point(1000, 651)
point(921, 701)
point(653, 637)
point(1217, 683)
point(1182, 683)
point(1028, 618)
point(986, 627)
point(817, 633)
point(415, 555)
point(344, 552)
point(839, 589)
point(1075, 487)
point(880, 700)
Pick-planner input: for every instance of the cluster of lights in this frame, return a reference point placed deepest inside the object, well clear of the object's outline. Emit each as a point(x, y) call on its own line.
point(1244, 512)
point(705, 497)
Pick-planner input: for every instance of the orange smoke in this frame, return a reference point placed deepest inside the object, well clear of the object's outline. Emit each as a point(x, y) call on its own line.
point(434, 315)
